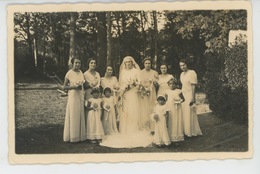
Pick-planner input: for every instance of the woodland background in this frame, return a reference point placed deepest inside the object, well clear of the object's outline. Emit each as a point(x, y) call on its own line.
point(45, 42)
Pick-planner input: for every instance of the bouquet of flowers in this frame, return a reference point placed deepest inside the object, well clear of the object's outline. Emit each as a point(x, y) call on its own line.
point(94, 83)
point(95, 106)
point(155, 117)
point(106, 107)
point(131, 83)
point(78, 83)
point(144, 91)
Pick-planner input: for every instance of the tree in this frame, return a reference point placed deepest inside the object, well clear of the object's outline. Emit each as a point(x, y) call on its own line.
point(155, 38)
point(72, 38)
point(109, 58)
point(101, 41)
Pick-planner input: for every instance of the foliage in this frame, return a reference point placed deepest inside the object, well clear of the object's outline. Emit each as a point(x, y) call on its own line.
point(226, 83)
point(165, 36)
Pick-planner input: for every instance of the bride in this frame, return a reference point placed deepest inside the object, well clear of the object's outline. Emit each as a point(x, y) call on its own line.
point(130, 134)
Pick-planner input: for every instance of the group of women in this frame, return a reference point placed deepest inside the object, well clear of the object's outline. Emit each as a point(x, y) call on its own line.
point(135, 95)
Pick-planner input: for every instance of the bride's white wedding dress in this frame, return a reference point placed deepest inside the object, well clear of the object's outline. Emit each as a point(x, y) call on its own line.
point(129, 135)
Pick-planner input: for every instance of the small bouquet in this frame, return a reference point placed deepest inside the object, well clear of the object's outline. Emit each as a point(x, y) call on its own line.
point(155, 117)
point(107, 107)
point(93, 83)
point(115, 89)
point(144, 91)
point(95, 106)
point(78, 83)
point(192, 104)
point(177, 101)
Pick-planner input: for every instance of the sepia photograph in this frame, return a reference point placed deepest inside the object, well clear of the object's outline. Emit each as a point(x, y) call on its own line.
point(129, 82)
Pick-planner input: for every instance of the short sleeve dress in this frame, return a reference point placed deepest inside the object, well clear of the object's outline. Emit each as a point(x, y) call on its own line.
point(109, 116)
point(94, 125)
point(74, 126)
point(161, 136)
point(148, 102)
point(190, 119)
point(175, 124)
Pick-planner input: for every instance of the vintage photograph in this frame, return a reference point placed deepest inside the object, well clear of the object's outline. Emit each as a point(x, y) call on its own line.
point(129, 82)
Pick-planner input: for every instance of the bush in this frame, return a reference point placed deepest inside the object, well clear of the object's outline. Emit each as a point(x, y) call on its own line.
point(226, 83)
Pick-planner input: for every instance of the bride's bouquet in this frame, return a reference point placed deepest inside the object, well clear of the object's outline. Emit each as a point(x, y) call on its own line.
point(130, 84)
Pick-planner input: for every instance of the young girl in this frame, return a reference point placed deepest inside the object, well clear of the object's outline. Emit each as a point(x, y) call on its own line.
point(109, 116)
point(174, 100)
point(94, 128)
point(159, 116)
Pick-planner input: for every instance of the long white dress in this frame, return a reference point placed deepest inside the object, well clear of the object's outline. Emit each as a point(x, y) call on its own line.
point(130, 135)
point(74, 126)
point(175, 124)
point(148, 101)
point(163, 85)
point(94, 125)
point(190, 119)
point(109, 116)
point(161, 136)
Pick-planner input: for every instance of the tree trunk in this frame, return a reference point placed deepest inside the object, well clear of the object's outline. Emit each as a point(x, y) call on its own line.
point(155, 40)
point(142, 14)
point(29, 41)
point(109, 58)
point(101, 41)
point(72, 38)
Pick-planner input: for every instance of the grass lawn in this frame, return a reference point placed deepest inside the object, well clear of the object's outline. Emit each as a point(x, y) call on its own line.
point(39, 118)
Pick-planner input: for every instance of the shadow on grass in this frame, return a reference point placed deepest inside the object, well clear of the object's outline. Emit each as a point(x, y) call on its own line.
point(218, 136)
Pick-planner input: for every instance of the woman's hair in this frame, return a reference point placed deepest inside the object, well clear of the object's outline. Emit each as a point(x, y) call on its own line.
point(89, 60)
point(106, 69)
point(161, 98)
point(109, 66)
point(173, 80)
point(184, 61)
point(73, 60)
point(95, 90)
point(107, 89)
point(163, 64)
point(145, 59)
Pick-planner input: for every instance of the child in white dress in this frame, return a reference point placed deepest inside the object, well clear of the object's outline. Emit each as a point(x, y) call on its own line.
point(94, 129)
point(159, 116)
point(109, 114)
point(174, 100)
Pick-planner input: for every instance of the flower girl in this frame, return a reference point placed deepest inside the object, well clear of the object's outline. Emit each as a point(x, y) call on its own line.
point(109, 115)
point(174, 100)
point(94, 126)
point(159, 116)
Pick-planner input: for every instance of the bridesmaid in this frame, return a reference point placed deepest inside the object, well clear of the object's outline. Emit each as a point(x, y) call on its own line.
point(74, 126)
point(110, 81)
point(164, 77)
point(189, 80)
point(92, 77)
point(149, 78)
